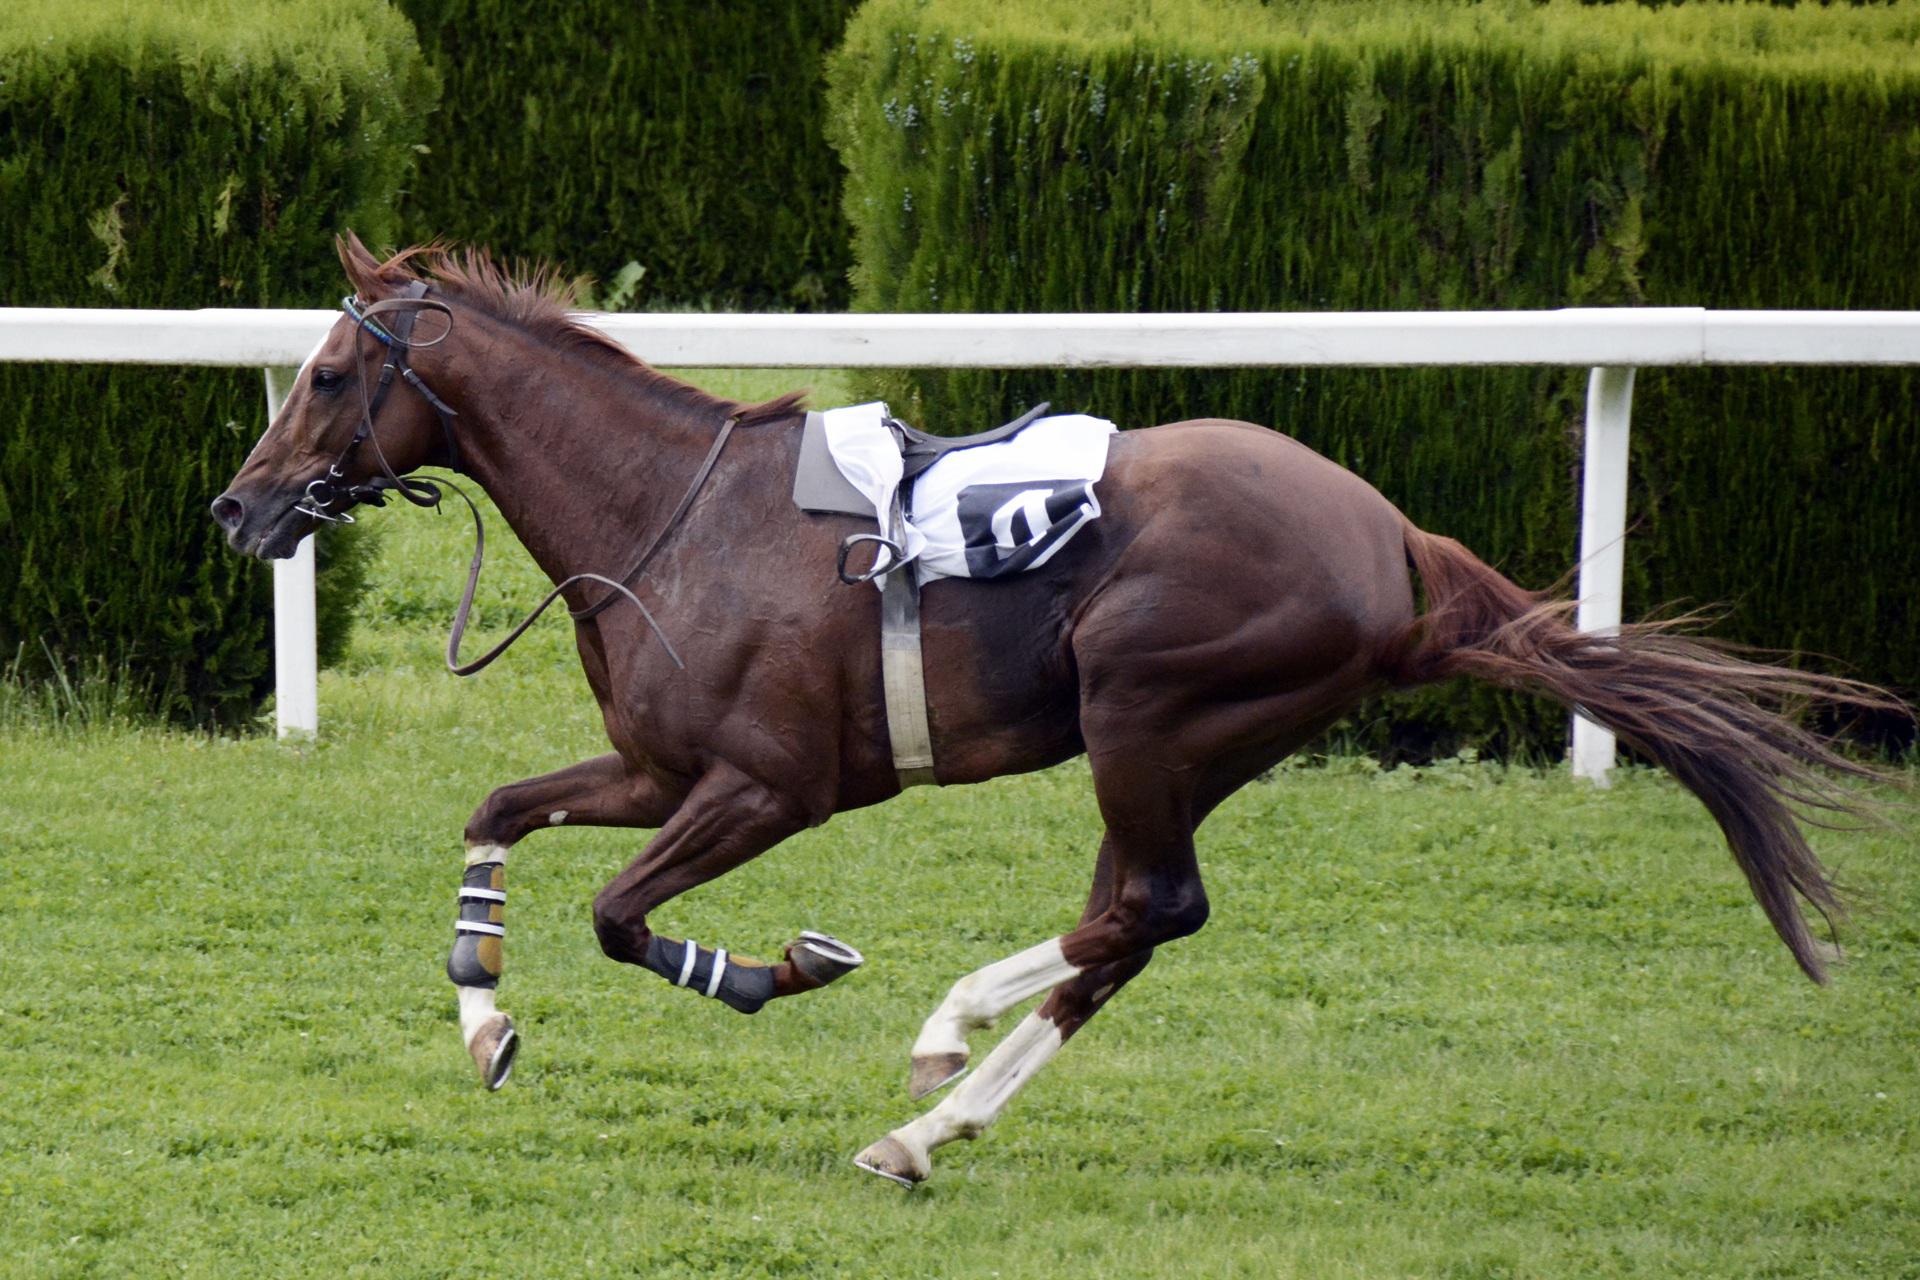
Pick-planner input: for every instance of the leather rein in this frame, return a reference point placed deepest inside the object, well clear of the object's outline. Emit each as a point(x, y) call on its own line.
point(333, 489)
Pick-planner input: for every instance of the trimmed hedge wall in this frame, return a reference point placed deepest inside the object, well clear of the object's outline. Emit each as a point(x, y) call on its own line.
point(1147, 155)
point(187, 155)
point(681, 135)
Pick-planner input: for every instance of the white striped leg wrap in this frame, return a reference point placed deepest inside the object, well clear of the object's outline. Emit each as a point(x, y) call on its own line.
point(468, 894)
point(690, 954)
point(478, 933)
point(740, 985)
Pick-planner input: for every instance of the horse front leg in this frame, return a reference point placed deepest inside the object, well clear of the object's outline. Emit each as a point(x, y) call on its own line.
point(727, 819)
point(605, 791)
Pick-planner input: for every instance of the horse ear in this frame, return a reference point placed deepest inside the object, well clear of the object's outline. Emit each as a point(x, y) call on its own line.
point(362, 268)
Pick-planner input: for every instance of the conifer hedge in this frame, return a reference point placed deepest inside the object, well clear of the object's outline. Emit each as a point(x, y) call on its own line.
point(681, 135)
point(200, 153)
point(1149, 155)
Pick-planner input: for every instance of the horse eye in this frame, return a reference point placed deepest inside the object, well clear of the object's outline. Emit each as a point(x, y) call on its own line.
point(327, 380)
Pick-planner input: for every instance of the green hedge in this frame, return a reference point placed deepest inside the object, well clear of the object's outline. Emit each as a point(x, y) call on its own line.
point(187, 155)
point(680, 135)
point(1147, 155)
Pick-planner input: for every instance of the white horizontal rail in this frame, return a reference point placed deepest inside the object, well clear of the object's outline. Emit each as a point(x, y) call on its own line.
point(1624, 337)
point(1613, 342)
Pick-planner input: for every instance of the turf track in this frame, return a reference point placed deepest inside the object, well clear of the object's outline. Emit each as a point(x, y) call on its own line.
point(1461, 1021)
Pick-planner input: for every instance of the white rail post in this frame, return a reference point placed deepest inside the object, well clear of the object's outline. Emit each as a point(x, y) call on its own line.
point(296, 664)
point(1603, 540)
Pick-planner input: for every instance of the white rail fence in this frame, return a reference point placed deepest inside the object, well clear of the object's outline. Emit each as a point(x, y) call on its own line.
point(1611, 342)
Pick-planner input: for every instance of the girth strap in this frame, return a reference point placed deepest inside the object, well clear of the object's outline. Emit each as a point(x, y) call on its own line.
point(903, 679)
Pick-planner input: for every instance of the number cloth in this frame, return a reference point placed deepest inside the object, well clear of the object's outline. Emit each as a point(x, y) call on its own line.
point(982, 512)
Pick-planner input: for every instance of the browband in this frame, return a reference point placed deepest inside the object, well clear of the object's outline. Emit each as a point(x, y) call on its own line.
point(352, 305)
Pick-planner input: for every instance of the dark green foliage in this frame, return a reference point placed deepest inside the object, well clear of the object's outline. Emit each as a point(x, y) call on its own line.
point(679, 135)
point(1159, 156)
point(186, 155)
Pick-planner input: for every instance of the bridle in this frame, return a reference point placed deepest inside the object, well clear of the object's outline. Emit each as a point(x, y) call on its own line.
point(324, 494)
point(333, 489)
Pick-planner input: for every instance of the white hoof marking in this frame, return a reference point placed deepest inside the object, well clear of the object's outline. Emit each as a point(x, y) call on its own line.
point(476, 1010)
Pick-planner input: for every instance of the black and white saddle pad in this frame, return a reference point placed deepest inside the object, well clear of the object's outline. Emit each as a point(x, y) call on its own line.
point(983, 512)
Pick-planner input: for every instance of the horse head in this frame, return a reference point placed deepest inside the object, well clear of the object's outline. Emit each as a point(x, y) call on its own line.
point(347, 431)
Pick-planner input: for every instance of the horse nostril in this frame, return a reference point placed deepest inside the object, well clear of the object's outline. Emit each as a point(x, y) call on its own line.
point(229, 512)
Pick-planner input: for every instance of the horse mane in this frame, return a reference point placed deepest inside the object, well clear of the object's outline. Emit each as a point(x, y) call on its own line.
point(538, 299)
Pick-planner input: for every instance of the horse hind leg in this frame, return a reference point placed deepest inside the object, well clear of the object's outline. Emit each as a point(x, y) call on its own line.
point(1163, 900)
point(1146, 891)
point(1170, 732)
point(978, 1000)
point(939, 1055)
point(905, 1155)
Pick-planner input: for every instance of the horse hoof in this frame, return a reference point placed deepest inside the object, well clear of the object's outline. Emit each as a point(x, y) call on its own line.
point(890, 1159)
point(494, 1047)
point(935, 1071)
point(822, 958)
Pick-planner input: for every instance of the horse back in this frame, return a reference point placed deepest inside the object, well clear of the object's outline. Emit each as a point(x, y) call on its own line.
point(1228, 558)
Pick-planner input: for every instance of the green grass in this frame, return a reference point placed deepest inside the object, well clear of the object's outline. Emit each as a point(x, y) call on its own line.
point(1459, 1021)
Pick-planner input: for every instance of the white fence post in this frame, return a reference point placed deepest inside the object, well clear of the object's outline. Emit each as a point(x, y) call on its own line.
point(1603, 540)
point(296, 665)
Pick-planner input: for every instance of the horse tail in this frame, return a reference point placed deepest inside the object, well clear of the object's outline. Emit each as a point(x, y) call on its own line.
point(1707, 715)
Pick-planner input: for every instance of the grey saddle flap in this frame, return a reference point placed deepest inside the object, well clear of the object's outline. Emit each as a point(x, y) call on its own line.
point(818, 485)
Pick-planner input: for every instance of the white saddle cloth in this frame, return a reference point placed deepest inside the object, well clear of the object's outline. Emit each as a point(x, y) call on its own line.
point(984, 512)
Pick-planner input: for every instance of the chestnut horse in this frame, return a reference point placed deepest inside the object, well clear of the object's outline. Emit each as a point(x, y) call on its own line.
point(1239, 593)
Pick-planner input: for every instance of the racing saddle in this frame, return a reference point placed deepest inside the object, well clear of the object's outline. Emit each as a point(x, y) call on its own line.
point(920, 449)
point(819, 487)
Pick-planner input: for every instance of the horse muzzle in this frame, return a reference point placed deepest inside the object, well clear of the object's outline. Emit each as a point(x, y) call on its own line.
point(252, 532)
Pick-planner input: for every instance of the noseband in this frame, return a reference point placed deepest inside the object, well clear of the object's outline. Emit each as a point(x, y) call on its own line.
point(333, 489)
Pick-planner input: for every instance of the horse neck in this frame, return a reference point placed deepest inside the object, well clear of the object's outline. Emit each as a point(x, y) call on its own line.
point(584, 458)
